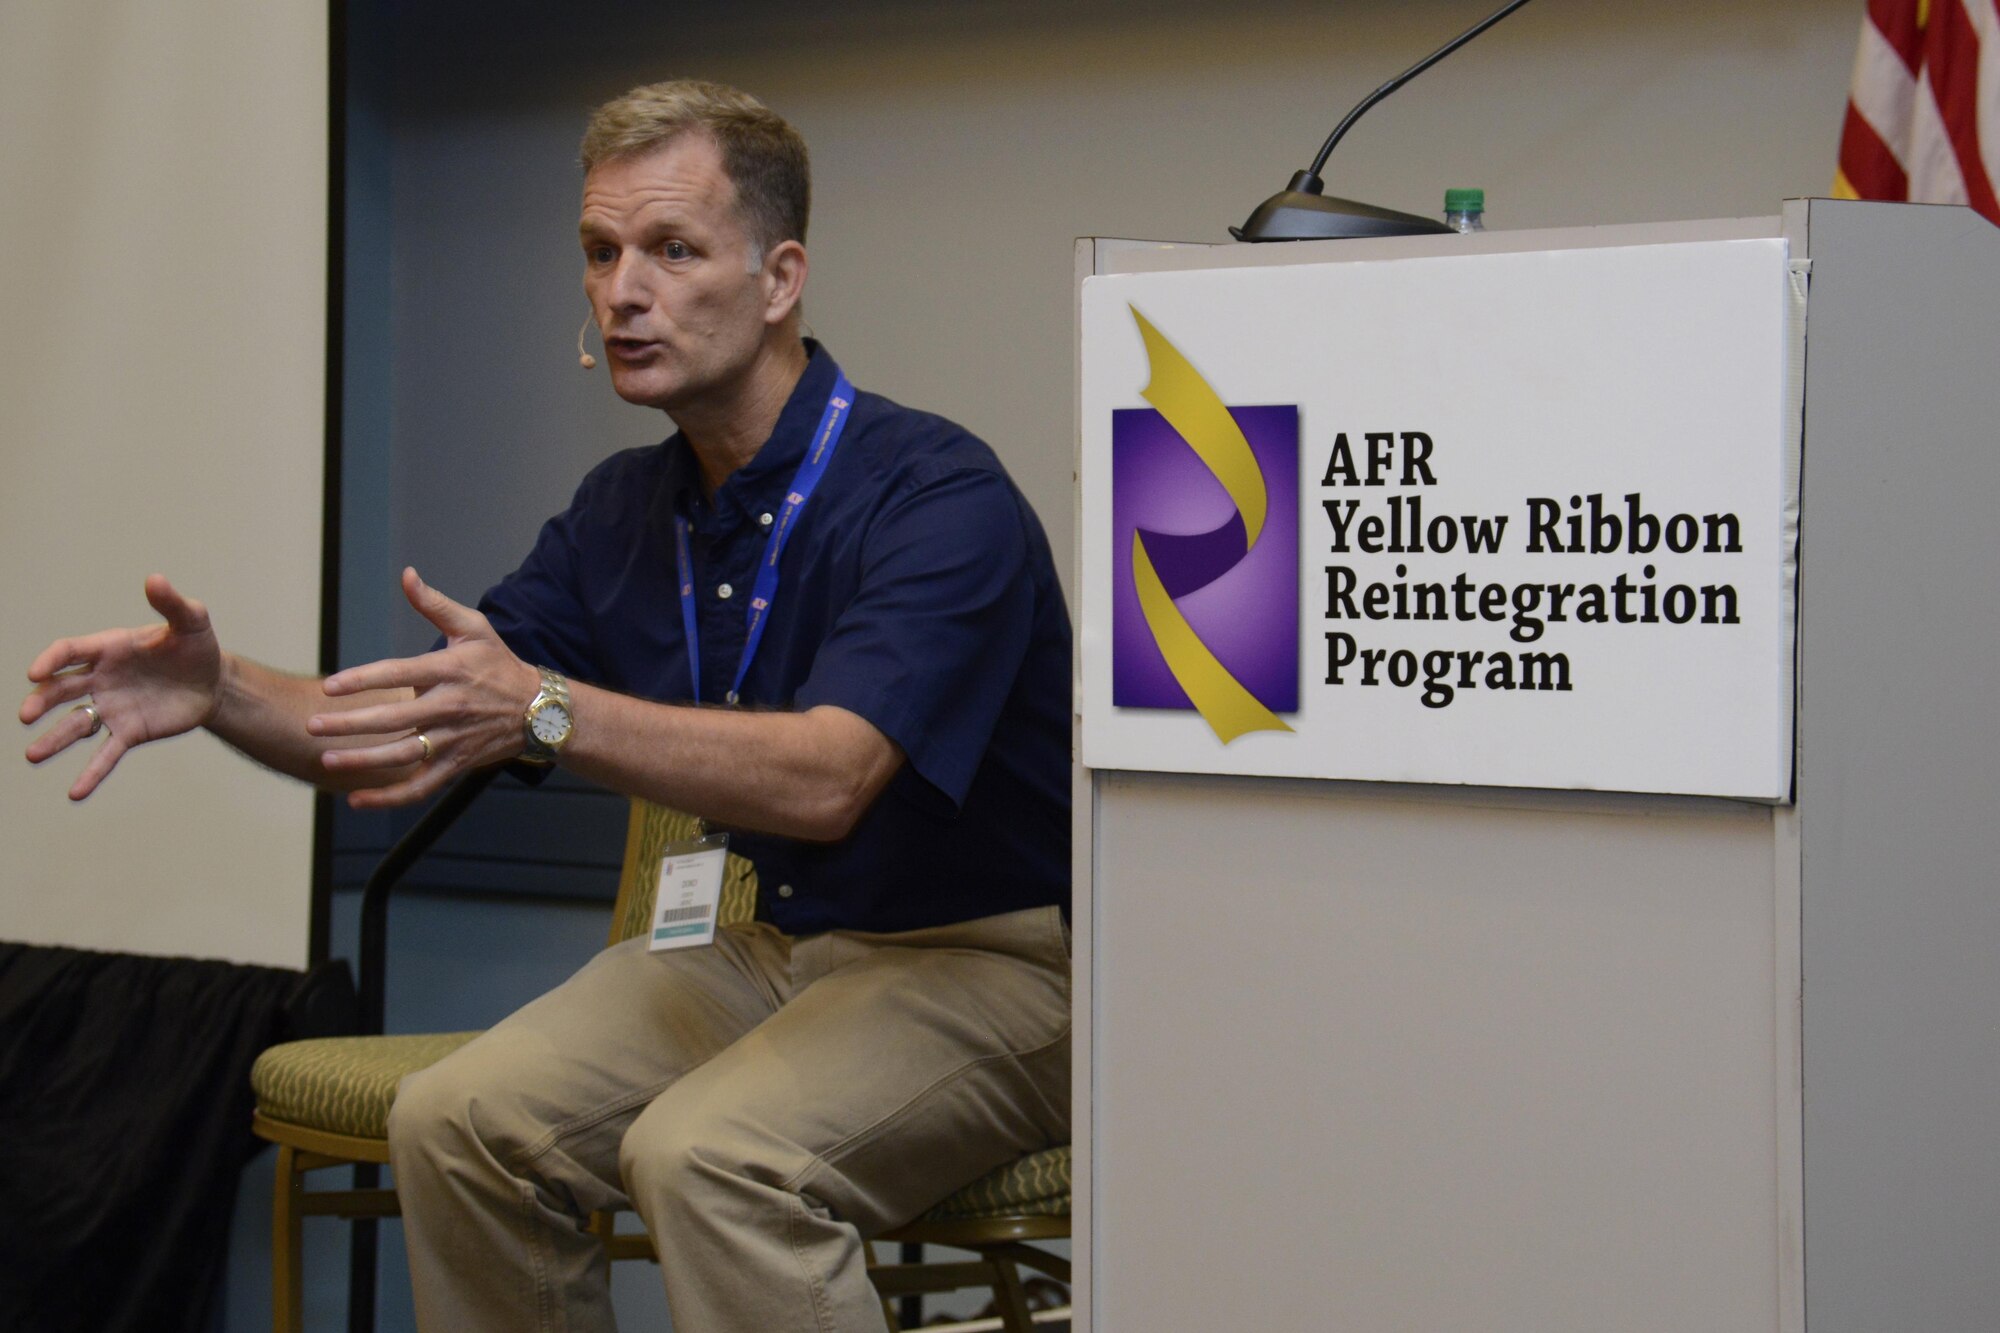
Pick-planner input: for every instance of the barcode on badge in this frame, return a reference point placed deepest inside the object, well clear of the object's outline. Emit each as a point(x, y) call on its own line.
point(675, 915)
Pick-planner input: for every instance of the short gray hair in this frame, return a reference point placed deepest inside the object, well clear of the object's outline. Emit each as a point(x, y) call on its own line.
point(764, 156)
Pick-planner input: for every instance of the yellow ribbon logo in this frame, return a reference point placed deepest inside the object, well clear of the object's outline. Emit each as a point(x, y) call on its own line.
point(1196, 413)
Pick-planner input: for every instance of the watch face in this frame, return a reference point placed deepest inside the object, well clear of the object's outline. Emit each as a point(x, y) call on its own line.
point(551, 723)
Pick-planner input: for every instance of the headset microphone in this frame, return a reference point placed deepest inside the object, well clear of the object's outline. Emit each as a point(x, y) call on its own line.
point(583, 357)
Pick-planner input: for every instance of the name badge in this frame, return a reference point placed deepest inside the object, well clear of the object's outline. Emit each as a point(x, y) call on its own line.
point(690, 890)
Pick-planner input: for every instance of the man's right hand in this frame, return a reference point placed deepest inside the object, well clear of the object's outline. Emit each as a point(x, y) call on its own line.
point(146, 684)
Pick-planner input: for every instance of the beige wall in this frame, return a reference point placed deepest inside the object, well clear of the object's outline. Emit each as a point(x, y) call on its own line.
point(162, 261)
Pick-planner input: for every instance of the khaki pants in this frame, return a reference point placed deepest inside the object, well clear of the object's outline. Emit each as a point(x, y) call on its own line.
point(763, 1103)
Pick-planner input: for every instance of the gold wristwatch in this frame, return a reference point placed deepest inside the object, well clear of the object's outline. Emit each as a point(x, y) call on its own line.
point(549, 723)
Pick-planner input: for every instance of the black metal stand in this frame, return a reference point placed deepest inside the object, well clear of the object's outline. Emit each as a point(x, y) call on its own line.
point(409, 849)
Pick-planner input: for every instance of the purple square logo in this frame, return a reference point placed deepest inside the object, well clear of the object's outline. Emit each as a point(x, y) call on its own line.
point(1205, 552)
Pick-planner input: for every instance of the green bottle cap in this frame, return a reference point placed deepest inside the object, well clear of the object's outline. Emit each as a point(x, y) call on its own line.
point(1465, 201)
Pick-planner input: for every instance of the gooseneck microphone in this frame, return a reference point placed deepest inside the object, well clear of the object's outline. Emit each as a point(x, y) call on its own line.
point(583, 357)
point(1303, 212)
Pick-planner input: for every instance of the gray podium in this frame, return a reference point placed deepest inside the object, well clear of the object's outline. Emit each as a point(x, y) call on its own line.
point(1571, 1061)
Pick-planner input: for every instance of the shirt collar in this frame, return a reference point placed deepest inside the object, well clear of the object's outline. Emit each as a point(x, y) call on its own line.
point(770, 469)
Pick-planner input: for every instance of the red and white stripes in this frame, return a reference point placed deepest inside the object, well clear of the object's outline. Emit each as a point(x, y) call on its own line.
point(1923, 113)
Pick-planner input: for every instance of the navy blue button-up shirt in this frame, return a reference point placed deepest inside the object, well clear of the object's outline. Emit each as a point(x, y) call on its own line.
point(916, 591)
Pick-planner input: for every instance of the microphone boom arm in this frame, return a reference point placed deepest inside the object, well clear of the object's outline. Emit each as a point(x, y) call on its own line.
point(1303, 210)
point(1392, 85)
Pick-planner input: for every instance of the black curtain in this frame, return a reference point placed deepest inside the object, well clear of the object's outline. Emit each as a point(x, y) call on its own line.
point(125, 1123)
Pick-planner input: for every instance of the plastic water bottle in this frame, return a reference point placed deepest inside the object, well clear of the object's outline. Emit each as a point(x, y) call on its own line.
point(1465, 210)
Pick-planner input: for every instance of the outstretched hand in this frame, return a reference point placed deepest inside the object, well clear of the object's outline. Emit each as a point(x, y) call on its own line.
point(470, 696)
point(145, 685)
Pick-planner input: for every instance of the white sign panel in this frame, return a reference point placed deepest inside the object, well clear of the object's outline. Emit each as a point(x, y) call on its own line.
point(1508, 520)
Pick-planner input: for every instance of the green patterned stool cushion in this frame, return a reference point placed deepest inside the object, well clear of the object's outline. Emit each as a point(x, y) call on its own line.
point(1035, 1186)
point(343, 1085)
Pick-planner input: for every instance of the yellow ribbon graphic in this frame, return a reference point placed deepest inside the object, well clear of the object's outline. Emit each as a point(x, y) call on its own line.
point(1181, 396)
point(1179, 393)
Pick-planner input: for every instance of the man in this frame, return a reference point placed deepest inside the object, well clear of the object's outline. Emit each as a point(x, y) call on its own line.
point(861, 618)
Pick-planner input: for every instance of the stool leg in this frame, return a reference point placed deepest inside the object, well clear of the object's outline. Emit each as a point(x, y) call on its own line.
point(361, 1258)
point(1010, 1297)
point(287, 1302)
point(912, 1309)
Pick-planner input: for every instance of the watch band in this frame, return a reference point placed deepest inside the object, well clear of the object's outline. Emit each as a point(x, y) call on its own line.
point(554, 690)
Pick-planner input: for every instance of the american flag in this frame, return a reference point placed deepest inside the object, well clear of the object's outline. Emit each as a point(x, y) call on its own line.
point(1923, 112)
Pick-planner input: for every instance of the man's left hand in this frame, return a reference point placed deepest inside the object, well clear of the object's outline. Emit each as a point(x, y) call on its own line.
point(471, 695)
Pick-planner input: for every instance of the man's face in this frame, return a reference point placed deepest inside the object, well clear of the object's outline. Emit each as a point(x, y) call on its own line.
point(667, 269)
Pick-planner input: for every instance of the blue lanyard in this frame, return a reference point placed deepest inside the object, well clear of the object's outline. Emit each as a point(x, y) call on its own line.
point(825, 438)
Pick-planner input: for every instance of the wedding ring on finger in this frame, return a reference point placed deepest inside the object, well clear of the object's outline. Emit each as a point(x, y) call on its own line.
point(96, 720)
point(425, 741)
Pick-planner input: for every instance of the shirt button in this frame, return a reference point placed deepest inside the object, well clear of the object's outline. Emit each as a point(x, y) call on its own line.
point(764, 519)
point(725, 592)
point(784, 890)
